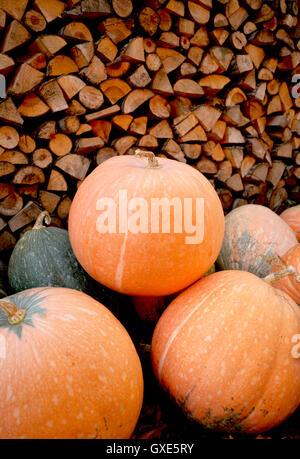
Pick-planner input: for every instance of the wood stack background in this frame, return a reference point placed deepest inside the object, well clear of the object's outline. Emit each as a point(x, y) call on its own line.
point(207, 82)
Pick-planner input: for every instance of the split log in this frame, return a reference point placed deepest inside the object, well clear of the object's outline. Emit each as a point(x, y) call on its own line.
point(14, 157)
point(50, 10)
point(61, 65)
point(63, 208)
point(48, 44)
point(52, 94)
point(11, 205)
point(69, 124)
point(122, 8)
point(138, 126)
point(103, 154)
point(161, 83)
point(200, 82)
point(33, 106)
point(91, 97)
point(26, 143)
point(9, 137)
point(149, 20)
point(28, 175)
point(87, 145)
point(42, 158)
point(122, 121)
point(60, 144)
point(106, 50)
point(135, 99)
point(25, 80)
point(115, 89)
point(102, 129)
point(57, 182)
point(83, 53)
point(16, 35)
point(48, 201)
point(35, 21)
point(95, 72)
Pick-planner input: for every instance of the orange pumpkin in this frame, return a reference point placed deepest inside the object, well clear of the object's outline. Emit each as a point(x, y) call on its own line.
point(253, 232)
point(151, 250)
point(290, 284)
point(68, 368)
point(227, 350)
point(292, 217)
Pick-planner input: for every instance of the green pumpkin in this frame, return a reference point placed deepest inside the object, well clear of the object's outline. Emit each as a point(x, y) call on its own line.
point(3, 279)
point(43, 257)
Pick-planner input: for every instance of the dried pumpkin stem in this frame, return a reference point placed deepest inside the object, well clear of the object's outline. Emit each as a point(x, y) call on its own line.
point(15, 315)
point(43, 217)
point(152, 160)
point(285, 270)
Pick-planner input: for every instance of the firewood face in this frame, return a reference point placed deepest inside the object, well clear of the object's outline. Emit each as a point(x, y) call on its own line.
point(202, 82)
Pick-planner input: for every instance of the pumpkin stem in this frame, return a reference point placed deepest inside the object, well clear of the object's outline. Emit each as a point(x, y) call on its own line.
point(152, 160)
point(43, 217)
point(285, 270)
point(15, 315)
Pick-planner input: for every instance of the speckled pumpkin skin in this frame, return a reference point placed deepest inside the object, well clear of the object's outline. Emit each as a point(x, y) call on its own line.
point(251, 232)
point(289, 284)
point(223, 350)
point(44, 257)
point(292, 217)
point(68, 371)
point(144, 264)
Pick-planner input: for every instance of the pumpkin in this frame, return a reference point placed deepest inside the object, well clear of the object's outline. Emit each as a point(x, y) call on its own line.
point(3, 279)
point(126, 226)
point(226, 351)
point(254, 233)
point(292, 217)
point(68, 368)
point(289, 284)
point(44, 257)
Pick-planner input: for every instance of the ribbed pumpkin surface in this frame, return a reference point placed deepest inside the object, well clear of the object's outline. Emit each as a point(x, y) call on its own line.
point(69, 370)
point(144, 263)
point(224, 351)
point(44, 257)
point(253, 232)
point(289, 284)
point(292, 217)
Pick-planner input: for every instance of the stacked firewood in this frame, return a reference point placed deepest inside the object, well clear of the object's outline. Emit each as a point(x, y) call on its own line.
point(207, 82)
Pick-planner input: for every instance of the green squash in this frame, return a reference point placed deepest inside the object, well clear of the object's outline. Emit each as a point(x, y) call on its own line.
point(3, 279)
point(43, 257)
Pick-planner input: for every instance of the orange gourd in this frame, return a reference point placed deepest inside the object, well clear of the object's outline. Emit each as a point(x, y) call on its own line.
point(156, 258)
point(252, 234)
point(227, 350)
point(289, 284)
point(68, 368)
point(292, 217)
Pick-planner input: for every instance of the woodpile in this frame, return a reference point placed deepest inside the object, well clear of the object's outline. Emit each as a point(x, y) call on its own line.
point(204, 82)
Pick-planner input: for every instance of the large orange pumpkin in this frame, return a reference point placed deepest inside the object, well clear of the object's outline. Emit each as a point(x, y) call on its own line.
point(140, 253)
point(253, 232)
point(289, 284)
point(227, 350)
point(68, 368)
point(292, 217)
